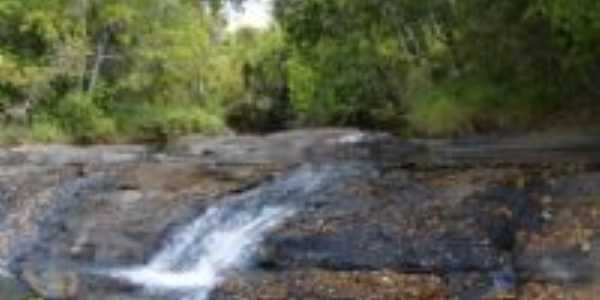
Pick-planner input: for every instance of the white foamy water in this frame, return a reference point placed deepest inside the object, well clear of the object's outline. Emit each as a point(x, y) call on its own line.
point(201, 254)
point(352, 138)
point(197, 258)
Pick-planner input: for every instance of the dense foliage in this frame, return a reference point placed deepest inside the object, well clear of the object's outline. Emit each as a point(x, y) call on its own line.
point(91, 70)
point(439, 66)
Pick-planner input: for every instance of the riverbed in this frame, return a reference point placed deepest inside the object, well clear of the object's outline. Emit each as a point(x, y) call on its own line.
point(307, 214)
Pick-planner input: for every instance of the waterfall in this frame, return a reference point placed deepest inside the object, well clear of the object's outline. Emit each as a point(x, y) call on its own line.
point(195, 259)
point(199, 255)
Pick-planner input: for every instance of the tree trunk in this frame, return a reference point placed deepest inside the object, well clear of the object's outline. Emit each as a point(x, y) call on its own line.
point(100, 55)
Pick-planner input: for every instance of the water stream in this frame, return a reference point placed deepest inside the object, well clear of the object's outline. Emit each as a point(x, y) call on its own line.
point(198, 256)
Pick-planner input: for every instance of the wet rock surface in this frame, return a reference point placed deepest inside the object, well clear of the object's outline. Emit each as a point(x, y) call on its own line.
point(320, 284)
point(478, 219)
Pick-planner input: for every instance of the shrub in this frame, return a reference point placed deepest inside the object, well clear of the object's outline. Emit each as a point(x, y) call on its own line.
point(441, 114)
point(161, 122)
point(83, 120)
point(455, 108)
point(47, 130)
point(13, 134)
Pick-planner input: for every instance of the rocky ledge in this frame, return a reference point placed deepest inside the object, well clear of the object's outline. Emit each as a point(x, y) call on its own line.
point(471, 219)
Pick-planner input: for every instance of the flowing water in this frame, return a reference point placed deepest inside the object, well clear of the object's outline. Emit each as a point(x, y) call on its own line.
point(199, 255)
point(87, 227)
point(197, 258)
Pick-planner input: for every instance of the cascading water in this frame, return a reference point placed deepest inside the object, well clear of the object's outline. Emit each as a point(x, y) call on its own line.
point(199, 255)
point(194, 260)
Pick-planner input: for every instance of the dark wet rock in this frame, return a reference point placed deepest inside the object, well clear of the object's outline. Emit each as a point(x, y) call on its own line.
point(559, 266)
point(287, 147)
point(116, 212)
point(60, 155)
point(524, 150)
point(579, 187)
point(12, 289)
point(297, 146)
point(567, 249)
point(410, 219)
point(415, 225)
point(98, 221)
point(372, 249)
point(51, 279)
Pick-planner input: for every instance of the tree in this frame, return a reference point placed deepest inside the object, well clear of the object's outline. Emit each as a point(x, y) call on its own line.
point(105, 54)
point(262, 64)
point(372, 63)
point(576, 25)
